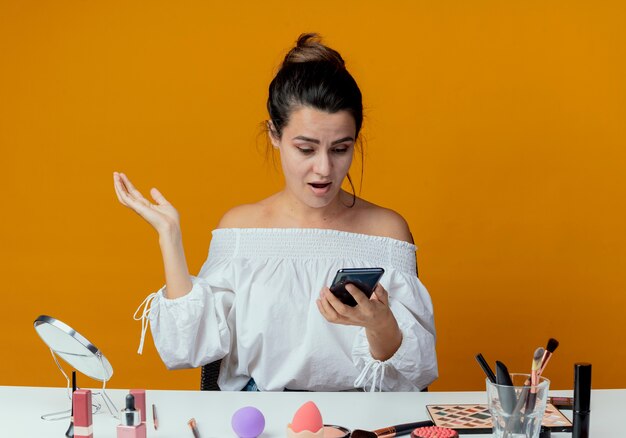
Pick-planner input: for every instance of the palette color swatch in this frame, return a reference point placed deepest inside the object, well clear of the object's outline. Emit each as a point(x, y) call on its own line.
point(475, 418)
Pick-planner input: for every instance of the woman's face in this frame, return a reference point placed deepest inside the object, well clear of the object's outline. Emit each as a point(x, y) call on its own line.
point(316, 151)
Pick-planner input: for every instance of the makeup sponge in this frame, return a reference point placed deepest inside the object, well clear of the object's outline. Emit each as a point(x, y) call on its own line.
point(307, 422)
point(248, 422)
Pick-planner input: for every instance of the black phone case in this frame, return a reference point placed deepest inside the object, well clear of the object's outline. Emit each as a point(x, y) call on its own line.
point(339, 288)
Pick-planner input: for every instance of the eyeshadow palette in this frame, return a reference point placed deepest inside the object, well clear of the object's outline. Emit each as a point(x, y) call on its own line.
point(475, 418)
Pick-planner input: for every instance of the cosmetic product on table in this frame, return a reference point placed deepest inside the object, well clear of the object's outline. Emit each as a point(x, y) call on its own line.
point(248, 422)
point(131, 425)
point(81, 407)
point(476, 418)
point(528, 403)
point(194, 428)
point(140, 402)
point(582, 400)
point(69, 433)
point(155, 419)
point(307, 423)
point(391, 431)
point(485, 367)
point(434, 432)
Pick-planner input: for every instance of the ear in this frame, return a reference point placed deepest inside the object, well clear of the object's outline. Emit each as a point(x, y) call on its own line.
point(271, 130)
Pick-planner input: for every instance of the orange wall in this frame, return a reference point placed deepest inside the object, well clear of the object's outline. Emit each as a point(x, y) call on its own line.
point(496, 128)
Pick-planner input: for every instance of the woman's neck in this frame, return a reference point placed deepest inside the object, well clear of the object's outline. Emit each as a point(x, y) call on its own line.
point(302, 215)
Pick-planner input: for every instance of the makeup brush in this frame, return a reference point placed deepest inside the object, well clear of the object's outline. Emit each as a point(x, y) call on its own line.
point(391, 431)
point(69, 433)
point(534, 378)
point(552, 345)
point(486, 368)
point(505, 388)
point(194, 428)
point(536, 366)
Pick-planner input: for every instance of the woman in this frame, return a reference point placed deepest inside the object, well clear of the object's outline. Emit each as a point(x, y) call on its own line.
point(261, 300)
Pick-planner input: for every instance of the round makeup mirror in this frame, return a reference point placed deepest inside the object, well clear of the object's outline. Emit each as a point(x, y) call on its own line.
point(73, 348)
point(76, 350)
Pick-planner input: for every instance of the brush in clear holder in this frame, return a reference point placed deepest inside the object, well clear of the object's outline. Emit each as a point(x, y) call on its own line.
point(517, 411)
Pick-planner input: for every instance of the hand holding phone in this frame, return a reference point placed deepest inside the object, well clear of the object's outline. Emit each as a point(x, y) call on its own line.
point(365, 279)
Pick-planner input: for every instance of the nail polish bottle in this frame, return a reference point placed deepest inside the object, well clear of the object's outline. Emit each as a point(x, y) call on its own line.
point(131, 425)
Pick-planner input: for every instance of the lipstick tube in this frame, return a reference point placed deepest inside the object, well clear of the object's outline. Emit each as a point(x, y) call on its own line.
point(83, 420)
point(582, 400)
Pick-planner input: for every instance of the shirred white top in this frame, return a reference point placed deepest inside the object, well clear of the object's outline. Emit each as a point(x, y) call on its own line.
point(253, 304)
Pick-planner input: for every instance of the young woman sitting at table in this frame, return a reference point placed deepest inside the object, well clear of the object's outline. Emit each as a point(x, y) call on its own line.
point(261, 300)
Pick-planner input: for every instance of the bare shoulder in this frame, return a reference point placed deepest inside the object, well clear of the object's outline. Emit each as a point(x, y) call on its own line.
point(385, 222)
point(243, 216)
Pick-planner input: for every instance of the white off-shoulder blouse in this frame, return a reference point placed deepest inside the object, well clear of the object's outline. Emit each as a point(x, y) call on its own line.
point(253, 305)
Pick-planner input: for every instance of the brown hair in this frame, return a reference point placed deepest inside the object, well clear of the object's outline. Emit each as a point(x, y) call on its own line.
point(313, 75)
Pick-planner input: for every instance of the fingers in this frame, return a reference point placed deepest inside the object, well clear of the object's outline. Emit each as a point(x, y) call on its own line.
point(380, 294)
point(117, 186)
point(358, 295)
point(128, 195)
point(132, 191)
point(325, 308)
point(158, 197)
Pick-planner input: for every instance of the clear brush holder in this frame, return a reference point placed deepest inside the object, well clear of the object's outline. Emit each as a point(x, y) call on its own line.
point(517, 411)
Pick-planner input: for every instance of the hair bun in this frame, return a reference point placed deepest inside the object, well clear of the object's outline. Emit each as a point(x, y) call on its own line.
point(309, 48)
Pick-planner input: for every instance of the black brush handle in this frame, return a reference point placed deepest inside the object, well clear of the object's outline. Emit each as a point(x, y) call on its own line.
point(407, 428)
point(486, 368)
point(505, 390)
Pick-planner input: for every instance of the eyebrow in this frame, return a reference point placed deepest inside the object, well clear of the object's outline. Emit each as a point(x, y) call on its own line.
point(313, 140)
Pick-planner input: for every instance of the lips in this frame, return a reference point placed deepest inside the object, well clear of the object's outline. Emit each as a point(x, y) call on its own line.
point(320, 189)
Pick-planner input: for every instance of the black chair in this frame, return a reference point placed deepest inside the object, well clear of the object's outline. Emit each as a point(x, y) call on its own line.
point(208, 376)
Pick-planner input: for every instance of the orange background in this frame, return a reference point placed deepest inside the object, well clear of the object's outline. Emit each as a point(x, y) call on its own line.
point(496, 128)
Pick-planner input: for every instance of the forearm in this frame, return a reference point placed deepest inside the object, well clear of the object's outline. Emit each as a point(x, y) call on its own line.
point(177, 280)
point(385, 339)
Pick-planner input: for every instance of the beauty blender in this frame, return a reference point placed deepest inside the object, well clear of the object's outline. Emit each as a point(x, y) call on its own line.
point(248, 422)
point(307, 422)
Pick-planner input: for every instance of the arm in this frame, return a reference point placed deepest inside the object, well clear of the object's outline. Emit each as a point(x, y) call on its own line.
point(165, 220)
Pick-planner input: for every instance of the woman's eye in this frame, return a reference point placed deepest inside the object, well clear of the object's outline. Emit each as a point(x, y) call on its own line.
point(341, 150)
point(306, 151)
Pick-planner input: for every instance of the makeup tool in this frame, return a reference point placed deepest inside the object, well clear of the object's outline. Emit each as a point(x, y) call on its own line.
point(550, 347)
point(131, 425)
point(434, 432)
point(307, 422)
point(486, 368)
point(248, 422)
point(391, 431)
point(505, 391)
point(194, 428)
point(534, 378)
point(155, 420)
point(81, 408)
point(476, 418)
point(582, 400)
point(69, 433)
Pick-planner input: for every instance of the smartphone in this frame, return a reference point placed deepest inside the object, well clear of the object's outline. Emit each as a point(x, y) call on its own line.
point(365, 279)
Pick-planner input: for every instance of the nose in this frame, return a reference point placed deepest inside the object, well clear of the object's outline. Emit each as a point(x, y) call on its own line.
point(323, 164)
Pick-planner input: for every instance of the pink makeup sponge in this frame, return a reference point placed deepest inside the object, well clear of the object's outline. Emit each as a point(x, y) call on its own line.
point(248, 422)
point(307, 422)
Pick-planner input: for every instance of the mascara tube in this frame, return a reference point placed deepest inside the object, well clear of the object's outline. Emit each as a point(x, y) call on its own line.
point(582, 400)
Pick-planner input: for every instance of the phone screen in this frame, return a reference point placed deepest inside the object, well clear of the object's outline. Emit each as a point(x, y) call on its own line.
point(363, 278)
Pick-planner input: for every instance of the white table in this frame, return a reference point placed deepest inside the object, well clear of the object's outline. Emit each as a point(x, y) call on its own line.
point(22, 407)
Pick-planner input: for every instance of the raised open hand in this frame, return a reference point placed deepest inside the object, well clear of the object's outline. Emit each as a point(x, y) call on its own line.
point(162, 215)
